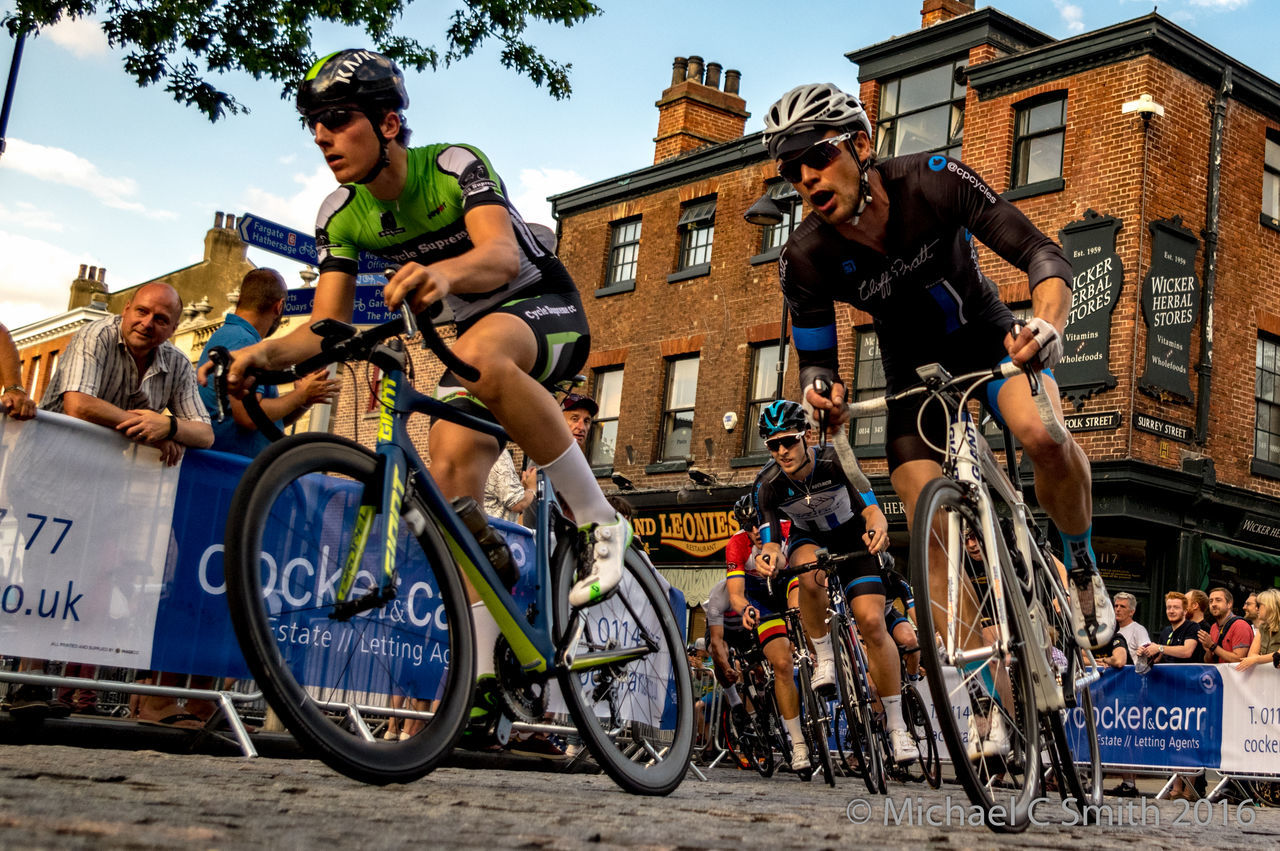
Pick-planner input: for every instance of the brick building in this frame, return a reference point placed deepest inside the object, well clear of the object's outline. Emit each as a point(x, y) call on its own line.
point(1153, 156)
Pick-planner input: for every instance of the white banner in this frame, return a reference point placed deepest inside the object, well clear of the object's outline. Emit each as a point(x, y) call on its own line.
point(84, 533)
point(1251, 719)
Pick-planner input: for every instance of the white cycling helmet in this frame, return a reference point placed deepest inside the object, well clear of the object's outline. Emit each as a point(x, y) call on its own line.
point(808, 108)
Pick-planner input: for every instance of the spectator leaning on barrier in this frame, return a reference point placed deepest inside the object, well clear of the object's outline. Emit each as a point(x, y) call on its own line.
point(1177, 641)
point(14, 400)
point(258, 313)
point(1229, 636)
point(1265, 647)
point(1135, 634)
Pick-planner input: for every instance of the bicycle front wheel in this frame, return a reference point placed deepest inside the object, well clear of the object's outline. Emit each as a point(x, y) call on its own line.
point(383, 695)
point(982, 692)
point(815, 723)
point(636, 714)
point(916, 711)
point(856, 734)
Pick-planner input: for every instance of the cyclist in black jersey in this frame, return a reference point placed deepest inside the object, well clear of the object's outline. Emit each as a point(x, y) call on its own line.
point(444, 216)
point(828, 511)
point(895, 239)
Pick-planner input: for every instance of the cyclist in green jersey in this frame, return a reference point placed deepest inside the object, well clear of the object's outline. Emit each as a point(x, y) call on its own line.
point(441, 213)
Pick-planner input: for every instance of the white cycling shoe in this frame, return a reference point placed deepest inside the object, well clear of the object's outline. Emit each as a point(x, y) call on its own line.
point(800, 757)
point(904, 747)
point(824, 675)
point(608, 544)
point(988, 735)
point(1092, 615)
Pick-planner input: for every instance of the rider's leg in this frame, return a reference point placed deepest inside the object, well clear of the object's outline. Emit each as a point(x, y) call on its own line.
point(882, 654)
point(813, 608)
point(1064, 489)
point(778, 652)
point(904, 635)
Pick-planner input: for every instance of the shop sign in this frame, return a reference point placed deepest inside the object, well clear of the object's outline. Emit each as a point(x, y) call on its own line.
point(686, 534)
point(1099, 421)
point(1096, 278)
point(1164, 428)
point(1260, 529)
point(1170, 306)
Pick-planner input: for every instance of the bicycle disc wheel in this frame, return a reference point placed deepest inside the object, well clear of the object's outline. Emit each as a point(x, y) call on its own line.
point(636, 715)
point(916, 711)
point(334, 682)
point(990, 693)
point(856, 736)
point(815, 724)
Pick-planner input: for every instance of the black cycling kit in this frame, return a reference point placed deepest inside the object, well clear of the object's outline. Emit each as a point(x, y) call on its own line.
point(929, 300)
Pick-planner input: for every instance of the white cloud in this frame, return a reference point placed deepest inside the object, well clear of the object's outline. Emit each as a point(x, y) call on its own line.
point(1072, 16)
point(530, 194)
point(58, 165)
point(35, 278)
point(83, 37)
point(27, 215)
point(1220, 5)
point(298, 210)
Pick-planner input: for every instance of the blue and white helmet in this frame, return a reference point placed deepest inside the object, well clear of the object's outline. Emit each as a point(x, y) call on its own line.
point(782, 417)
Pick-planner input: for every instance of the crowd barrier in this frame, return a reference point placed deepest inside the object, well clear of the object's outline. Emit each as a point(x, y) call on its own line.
point(109, 558)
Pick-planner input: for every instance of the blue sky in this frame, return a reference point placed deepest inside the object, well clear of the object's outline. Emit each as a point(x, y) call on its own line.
point(101, 172)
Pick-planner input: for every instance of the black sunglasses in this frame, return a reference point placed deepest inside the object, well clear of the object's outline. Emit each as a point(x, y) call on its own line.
point(817, 156)
point(334, 118)
point(784, 442)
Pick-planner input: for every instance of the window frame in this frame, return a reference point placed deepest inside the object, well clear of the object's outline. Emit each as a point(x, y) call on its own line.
point(617, 248)
point(756, 381)
point(610, 404)
point(1022, 112)
point(1270, 175)
point(774, 237)
point(697, 222)
point(670, 413)
point(864, 387)
point(1267, 463)
point(888, 123)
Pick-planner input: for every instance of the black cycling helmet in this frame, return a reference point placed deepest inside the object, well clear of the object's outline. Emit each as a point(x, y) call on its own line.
point(357, 77)
point(744, 511)
point(782, 417)
point(369, 81)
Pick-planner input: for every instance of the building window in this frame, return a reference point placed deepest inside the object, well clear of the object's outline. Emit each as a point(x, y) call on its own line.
point(37, 392)
point(33, 377)
point(1040, 126)
point(923, 111)
point(868, 383)
point(1266, 429)
point(788, 201)
point(604, 429)
point(697, 228)
point(763, 390)
point(624, 247)
point(677, 409)
point(1271, 180)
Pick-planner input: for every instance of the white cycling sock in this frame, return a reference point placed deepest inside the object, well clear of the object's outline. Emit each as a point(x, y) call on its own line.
point(893, 712)
point(731, 695)
point(571, 476)
point(794, 730)
point(487, 633)
point(822, 647)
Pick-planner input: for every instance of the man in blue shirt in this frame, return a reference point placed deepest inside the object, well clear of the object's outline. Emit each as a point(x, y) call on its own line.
point(258, 312)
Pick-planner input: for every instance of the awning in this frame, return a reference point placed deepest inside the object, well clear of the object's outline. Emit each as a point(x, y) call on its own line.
point(694, 582)
point(1236, 551)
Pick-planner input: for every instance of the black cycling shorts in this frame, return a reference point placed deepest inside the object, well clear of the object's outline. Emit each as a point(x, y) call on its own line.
point(860, 575)
point(554, 313)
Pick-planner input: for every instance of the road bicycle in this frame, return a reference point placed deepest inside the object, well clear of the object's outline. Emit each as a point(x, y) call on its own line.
point(928, 768)
point(766, 734)
point(989, 646)
point(344, 571)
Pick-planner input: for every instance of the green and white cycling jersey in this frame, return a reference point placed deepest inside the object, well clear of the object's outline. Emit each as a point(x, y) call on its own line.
point(425, 224)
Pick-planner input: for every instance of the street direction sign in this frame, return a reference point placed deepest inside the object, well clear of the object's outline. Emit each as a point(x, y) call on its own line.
point(287, 242)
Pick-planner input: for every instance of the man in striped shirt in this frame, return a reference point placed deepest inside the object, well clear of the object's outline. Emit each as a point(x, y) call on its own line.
point(122, 372)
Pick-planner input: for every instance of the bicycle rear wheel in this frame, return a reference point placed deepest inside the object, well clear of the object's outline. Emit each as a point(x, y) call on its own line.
point(991, 691)
point(333, 682)
point(636, 715)
point(856, 738)
point(772, 735)
point(916, 711)
point(815, 723)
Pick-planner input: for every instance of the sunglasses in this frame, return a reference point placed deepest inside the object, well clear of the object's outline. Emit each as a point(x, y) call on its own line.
point(334, 118)
point(817, 156)
point(784, 442)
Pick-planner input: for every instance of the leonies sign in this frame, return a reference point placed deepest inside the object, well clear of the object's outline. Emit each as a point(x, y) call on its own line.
point(681, 535)
point(1170, 305)
point(1090, 246)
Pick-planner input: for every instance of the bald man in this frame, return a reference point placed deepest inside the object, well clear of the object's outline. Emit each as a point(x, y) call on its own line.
point(122, 372)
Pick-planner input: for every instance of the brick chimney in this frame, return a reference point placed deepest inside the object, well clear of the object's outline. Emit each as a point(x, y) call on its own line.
point(694, 111)
point(937, 11)
point(88, 287)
